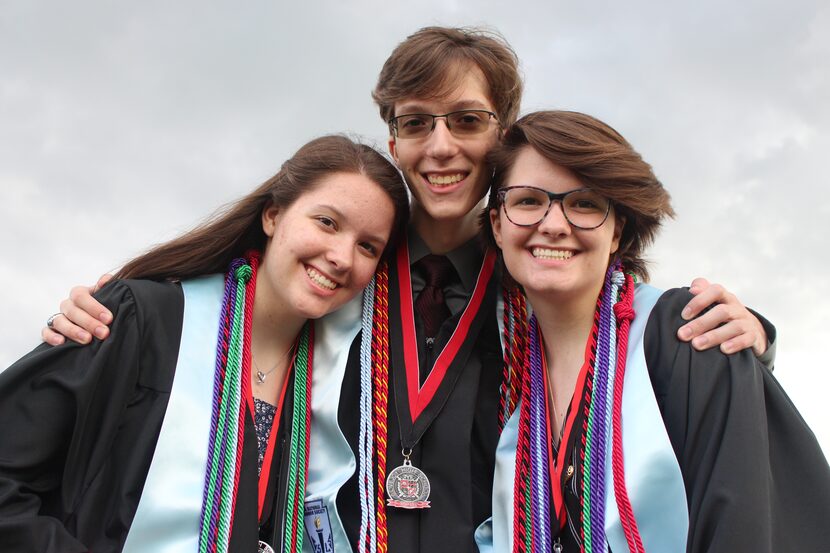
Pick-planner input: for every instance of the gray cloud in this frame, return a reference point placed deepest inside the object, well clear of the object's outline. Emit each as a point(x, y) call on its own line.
point(125, 123)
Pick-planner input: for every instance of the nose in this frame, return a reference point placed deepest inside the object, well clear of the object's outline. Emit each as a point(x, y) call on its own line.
point(341, 254)
point(555, 223)
point(441, 143)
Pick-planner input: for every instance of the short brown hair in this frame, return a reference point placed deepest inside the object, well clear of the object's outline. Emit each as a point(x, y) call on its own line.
point(431, 62)
point(603, 161)
point(233, 231)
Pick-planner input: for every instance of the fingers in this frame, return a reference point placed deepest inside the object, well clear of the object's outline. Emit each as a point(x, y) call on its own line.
point(51, 337)
point(698, 285)
point(64, 326)
point(84, 317)
point(706, 296)
point(103, 279)
point(80, 298)
point(728, 325)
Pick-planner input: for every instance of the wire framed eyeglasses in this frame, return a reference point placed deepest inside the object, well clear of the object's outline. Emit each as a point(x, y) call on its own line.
point(460, 123)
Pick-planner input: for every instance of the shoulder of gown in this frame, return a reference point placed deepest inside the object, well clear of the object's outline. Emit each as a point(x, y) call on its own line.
point(58, 405)
point(756, 478)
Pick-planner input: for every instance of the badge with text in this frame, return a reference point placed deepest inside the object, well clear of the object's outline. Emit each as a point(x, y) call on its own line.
point(407, 486)
point(318, 526)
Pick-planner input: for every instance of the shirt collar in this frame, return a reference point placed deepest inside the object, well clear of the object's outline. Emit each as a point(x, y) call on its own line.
point(466, 259)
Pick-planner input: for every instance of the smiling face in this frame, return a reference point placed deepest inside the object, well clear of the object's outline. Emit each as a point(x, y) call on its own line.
point(446, 174)
point(323, 248)
point(554, 259)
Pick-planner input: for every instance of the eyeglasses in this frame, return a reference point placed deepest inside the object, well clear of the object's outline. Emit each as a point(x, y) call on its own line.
point(465, 122)
point(526, 206)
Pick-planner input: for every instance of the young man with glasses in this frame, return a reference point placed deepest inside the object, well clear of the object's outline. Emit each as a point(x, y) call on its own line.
point(447, 95)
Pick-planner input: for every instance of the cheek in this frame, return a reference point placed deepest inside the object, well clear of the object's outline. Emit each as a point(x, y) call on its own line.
point(363, 271)
point(511, 237)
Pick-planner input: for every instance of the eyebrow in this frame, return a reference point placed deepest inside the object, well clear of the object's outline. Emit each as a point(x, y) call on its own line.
point(455, 106)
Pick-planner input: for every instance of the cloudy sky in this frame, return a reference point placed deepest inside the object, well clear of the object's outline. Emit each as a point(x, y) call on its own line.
point(123, 123)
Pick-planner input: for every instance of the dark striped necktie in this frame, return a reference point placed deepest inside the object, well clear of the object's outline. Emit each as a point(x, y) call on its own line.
point(430, 304)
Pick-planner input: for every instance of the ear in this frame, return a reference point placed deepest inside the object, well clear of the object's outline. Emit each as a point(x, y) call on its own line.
point(393, 148)
point(269, 220)
point(495, 224)
point(619, 225)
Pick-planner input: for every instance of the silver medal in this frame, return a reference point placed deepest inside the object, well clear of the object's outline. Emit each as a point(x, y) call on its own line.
point(265, 548)
point(407, 486)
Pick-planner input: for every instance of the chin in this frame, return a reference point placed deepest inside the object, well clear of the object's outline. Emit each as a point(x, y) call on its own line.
point(315, 309)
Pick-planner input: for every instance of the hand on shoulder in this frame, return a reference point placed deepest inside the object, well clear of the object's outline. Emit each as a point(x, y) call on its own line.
point(83, 317)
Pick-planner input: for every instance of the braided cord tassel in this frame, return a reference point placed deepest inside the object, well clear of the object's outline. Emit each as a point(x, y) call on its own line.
point(539, 460)
point(586, 401)
point(380, 364)
point(367, 536)
point(298, 451)
point(522, 530)
point(250, 292)
point(513, 340)
point(588, 459)
point(224, 450)
point(507, 344)
point(597, 444)
point(624, 311)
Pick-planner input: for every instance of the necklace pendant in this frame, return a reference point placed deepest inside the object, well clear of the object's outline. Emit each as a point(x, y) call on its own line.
point(260, 377)
point(408, 487)
point(264, 548)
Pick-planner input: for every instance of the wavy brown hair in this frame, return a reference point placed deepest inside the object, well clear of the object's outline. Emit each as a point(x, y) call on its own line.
point(430, 63)
point(603, 161)
point(237, 228)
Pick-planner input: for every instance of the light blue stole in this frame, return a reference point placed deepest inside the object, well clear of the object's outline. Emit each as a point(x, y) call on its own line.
point(167, 518)
point(331, 461)
point(653, 479)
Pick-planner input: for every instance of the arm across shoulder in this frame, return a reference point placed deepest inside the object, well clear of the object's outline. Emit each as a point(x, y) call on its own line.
point(748, 459)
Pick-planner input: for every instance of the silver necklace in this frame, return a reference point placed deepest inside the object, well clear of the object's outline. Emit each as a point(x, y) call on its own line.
point(557, 415)
point(261, 376)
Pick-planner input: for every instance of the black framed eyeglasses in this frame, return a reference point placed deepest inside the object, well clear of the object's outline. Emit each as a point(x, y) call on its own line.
point(464, 122)
point(527, 206)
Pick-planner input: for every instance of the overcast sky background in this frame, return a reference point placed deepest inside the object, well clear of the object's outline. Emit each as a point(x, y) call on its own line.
point(124, 123)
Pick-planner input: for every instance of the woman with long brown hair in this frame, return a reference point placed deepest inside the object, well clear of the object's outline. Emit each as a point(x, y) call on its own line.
point(626, 438)
point(189, 428)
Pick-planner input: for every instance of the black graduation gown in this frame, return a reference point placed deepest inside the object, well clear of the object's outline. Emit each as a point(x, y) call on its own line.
point(756, 479)
point(79, 425)
point(460, 433)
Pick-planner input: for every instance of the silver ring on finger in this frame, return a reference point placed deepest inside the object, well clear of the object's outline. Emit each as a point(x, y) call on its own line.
point(50, 322)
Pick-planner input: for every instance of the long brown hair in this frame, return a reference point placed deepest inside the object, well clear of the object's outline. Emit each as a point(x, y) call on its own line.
point(603, 161)
point(236, 229)
point(431, 62)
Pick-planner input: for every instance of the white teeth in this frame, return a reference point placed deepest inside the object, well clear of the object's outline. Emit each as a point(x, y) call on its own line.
point(320, 279)
point(444, 180)
point(546, 253)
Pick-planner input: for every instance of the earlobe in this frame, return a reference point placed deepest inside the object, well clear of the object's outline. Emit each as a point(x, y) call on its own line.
point(269, 220)
point(495, 225)
point(619, 225)
point(393, 150)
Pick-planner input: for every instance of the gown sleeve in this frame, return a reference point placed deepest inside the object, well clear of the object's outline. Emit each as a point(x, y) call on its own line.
point(767, 358)
point(755, 476)
point(60, 412)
